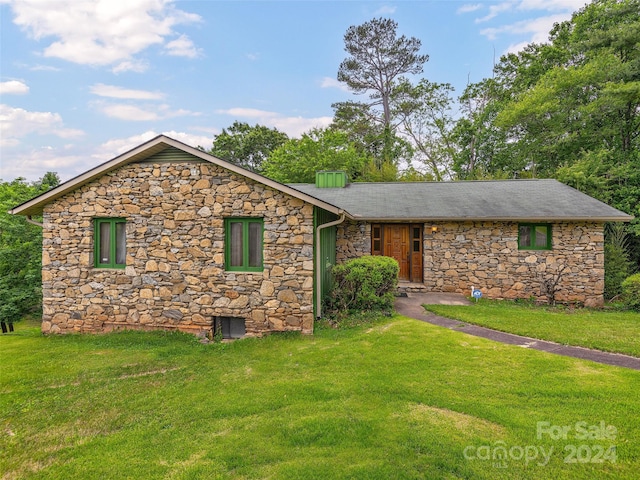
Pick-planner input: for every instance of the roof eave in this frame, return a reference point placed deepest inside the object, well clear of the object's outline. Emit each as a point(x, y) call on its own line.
point(620, 218)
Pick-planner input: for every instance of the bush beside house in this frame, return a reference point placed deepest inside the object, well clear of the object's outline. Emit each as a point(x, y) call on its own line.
point(631, 291)
point(364, 284)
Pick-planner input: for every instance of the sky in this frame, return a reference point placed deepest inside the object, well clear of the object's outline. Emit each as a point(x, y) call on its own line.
point(82, 81)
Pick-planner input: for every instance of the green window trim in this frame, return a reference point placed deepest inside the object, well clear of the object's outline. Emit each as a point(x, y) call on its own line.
point(534, 236)
point(109, 243)
point(243, 246)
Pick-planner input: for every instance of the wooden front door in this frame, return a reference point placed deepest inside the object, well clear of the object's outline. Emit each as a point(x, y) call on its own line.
point(402, 242)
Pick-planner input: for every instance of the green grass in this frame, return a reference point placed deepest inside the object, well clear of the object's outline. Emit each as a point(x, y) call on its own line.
point(607, 330)
point(397, 399)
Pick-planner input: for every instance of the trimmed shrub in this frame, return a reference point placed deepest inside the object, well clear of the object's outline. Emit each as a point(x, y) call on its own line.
point(631, 291)
point(364, 284)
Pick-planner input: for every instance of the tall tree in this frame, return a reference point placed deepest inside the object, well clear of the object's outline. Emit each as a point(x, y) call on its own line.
point(247, 146)
point(377, 63)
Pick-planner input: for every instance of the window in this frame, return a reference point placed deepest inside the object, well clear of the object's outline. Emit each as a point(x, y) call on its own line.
point(416, 238)
point(376, 240)
point(110, 242)
point(534, 236)
point(229, 327)
point(243, 244)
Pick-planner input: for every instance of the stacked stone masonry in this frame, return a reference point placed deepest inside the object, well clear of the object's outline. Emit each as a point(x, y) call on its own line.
point(175, 276)
point(485, 255)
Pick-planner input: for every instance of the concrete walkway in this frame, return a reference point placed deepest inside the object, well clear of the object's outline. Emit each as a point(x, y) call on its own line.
point(411, 306)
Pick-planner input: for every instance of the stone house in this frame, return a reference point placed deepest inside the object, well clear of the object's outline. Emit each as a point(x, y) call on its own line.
point(166, 236)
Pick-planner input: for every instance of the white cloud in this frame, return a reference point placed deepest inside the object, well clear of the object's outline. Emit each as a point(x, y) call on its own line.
point(253, 56)
point(182, 47)
point(385, 10)
point(72, 160)
point(495, 10)
point(34, 163)
point(113, 91)
point(468, 7)
point(136, 66)
point(147, 113)
point(13, 87)
point(16, 123)
point(292, 126)
point(329, 82)
point(552, 5)
point(537, 29)
point(100, 32)
point(544, 14)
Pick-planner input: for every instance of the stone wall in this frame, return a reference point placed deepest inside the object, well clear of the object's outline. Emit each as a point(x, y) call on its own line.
point(485, 255)
point(175, 275)
point(353, 240)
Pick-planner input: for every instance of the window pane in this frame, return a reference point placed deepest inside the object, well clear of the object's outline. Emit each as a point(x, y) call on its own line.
point(121, 243)
point(525, 236)
point(541, 236)
point(236, 244)
point(104, 252)
point(416, 232)
point(376, 245)
point(376, 232)
point(255, 244)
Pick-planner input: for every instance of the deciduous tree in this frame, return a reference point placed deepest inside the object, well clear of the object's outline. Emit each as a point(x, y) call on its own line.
point(247, 146)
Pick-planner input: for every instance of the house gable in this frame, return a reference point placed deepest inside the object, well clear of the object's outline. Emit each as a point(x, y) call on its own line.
point(165, 147)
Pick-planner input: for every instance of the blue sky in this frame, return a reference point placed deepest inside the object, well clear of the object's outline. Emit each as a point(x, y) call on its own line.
point(83, 81)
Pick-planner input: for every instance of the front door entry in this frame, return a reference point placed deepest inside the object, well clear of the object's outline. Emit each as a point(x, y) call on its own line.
point(402, 242)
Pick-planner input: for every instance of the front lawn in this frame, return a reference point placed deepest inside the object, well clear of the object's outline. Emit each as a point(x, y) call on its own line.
point(398, 399)
point(607, 330)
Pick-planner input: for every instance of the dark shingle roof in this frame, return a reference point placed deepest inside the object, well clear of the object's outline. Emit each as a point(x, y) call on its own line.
point(533, 200)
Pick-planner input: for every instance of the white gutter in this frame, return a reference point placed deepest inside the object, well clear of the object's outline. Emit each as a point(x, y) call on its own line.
point(33, 222)
point(318, 264)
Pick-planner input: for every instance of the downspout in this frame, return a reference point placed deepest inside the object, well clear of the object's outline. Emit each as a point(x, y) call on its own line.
point(318, 264)
point(33, 222)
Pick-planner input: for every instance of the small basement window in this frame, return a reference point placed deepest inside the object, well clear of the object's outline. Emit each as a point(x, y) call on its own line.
point(534, 236)
point(229, 327)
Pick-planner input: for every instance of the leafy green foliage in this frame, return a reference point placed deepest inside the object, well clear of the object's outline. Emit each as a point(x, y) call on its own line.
point(20, 250)
point(429, 124)
point(631, 291)
point(617, 265)
point(364, 284)
point(247, 146)
point(298, 160)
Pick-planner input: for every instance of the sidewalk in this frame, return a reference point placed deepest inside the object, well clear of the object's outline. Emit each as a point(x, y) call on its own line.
point(411, 306)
